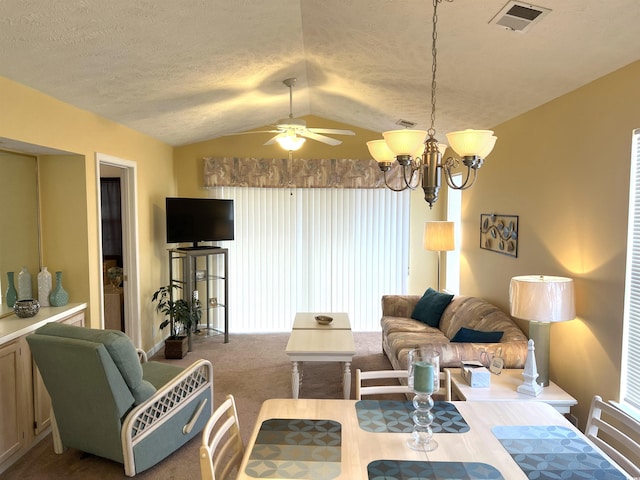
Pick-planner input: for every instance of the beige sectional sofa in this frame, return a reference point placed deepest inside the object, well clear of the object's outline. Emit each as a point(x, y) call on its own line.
point(401, 333)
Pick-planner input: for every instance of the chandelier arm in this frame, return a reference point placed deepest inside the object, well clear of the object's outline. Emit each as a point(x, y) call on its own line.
point(391, 187)
point(464, 184)
point(409, 180)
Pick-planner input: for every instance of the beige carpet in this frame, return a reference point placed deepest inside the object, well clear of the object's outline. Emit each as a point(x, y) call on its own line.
point(251, 367)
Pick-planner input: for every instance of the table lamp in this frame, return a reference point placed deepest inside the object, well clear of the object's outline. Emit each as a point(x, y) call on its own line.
point(542, 300)
point(439, 237)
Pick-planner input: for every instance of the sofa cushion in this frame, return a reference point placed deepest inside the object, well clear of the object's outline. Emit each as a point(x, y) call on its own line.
point(430, 307)
point(478, 314)
point(476, 336)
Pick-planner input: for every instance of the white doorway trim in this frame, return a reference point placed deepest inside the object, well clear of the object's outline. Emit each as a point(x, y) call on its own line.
point(131, 283)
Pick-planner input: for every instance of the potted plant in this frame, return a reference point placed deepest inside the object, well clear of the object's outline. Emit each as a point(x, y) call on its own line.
point(181, 316)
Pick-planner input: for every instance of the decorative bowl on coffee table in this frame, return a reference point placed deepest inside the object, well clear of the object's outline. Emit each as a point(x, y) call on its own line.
point(323, 319)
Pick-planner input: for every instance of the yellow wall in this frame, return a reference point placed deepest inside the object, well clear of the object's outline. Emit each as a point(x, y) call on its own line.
point(564, 169)
point(69, 200)
point(189, 176)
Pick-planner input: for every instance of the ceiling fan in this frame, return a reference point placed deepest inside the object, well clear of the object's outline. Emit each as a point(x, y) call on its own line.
point(291, 132)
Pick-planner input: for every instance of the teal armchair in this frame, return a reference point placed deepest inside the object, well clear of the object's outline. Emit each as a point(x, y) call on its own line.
point(109, 401)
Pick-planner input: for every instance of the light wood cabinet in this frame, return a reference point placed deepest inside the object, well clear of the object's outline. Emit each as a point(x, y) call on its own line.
point(25, 406)
point(13, 398)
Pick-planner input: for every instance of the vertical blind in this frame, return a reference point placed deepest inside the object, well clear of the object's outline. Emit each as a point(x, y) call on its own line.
point(631, 350)
point(314, 250)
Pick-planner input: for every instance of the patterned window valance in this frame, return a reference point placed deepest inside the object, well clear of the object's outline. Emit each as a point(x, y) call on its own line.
point(294, 173)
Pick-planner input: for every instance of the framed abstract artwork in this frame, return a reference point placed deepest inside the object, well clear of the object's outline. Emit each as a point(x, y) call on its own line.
point(499, 233)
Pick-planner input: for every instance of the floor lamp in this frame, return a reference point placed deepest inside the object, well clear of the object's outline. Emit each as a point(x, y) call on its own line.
point(439, 237)
point(542, 300)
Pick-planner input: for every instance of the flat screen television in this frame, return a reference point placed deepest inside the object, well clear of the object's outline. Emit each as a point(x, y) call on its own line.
point(193, 220)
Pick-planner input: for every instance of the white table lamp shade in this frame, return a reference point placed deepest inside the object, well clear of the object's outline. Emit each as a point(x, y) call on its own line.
point(439, 236)
point(542, 298)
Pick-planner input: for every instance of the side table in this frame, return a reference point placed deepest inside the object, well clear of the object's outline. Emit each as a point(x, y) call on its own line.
point(503, 388)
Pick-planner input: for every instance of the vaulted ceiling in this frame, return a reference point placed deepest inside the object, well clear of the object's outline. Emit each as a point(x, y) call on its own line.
point(191, 70)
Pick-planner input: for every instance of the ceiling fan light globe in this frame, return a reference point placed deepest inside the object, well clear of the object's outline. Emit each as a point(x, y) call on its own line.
point(291, 142)
point(467, 143)
point(404, 142)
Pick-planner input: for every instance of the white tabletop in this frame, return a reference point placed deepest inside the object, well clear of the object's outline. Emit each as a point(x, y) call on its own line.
point(503, 388)
point(307, 320)
point(360, 447)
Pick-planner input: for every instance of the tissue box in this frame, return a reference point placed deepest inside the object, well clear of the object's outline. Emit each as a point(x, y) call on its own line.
point(475, 374)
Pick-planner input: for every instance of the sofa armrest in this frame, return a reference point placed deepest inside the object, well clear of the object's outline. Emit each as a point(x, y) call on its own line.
point(399, 305)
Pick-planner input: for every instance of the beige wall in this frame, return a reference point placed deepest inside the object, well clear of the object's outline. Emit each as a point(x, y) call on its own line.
point(564, 169)
point(69, 213)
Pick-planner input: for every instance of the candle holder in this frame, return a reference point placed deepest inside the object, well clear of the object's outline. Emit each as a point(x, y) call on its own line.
point(424, 379)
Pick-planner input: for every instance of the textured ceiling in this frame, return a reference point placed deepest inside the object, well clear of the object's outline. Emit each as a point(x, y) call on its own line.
point(191, 70)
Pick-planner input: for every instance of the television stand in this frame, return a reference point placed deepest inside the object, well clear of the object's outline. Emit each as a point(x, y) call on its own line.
point(185, 268)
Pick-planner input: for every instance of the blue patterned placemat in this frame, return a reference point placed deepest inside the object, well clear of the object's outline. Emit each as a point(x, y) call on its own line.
point(394, 416)
point(414, 470)
point(548, 451)
point(290, 448)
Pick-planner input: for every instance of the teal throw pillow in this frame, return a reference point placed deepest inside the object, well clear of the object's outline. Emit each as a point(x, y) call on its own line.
point(430, 307)
point(476, 336)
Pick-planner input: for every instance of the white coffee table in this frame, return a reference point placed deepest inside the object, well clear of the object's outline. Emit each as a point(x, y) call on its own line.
point(312, 342)
point(503, 388)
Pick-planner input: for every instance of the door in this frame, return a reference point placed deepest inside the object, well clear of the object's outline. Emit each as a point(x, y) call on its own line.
point(125, 170)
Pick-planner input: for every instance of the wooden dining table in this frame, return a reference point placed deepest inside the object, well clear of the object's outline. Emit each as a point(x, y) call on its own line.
point(348, 439)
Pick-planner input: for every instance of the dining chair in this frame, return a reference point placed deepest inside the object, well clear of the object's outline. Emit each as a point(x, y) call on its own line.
point(621, 439)
point(222, 448)
point(365, 388)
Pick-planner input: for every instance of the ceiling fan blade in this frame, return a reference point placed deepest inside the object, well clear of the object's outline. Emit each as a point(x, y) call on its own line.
point(272, 140)
point(334, 131)
point(320, 138)
point(248, 133)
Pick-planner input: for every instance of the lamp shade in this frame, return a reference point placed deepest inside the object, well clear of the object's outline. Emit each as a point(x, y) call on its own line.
point(467, 143)
point(542, 298)
point(488, 147)
point(404, 142)
point(291, 142)
point(439, 236)
point(380, 151)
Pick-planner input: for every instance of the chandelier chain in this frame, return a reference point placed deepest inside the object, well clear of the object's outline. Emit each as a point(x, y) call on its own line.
point(434, 68)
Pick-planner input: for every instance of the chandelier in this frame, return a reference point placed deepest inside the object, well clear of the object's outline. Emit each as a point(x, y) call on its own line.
point(420, 155)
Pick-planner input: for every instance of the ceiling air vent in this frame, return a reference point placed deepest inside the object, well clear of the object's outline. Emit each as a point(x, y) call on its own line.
point(519, 16)
point(406, 123)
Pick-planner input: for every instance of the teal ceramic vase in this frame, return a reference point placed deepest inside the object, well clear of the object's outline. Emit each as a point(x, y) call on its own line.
point(59, 296)
point(12, 293)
